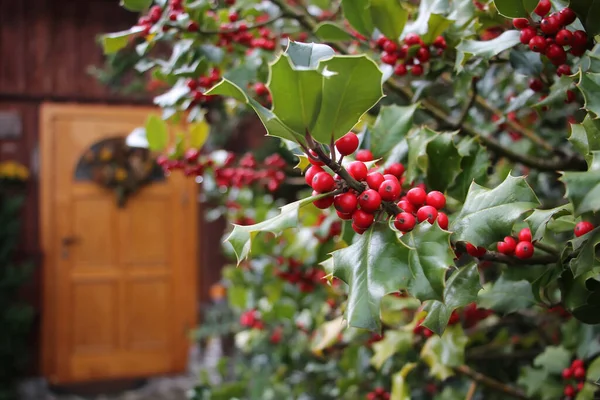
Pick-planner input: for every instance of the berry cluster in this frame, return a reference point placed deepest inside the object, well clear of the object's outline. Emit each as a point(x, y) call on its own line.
point(523, 248)
point(378, 394)
point(200, 85)
point(268, 174)
point(251, 319)
point(526, 120)
point(335, 229)
point(471, 315)
point(550, 36)
point(420, 330)
point(238, 32)
point(263, 94)
point(422, 205)
point(413, 53)
point(583, 227)
point(575, 372)
point(295, 273)
point(276, 335)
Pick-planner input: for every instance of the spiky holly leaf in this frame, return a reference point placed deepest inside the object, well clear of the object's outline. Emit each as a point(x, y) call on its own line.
point(587, 11)
point(431, 20)
point(585, 137)
point(539, 219)
point(389, 17)
point(327, 335)
point(461, 289)
point(113, 42)
point(488, 215)
point(392, 343)
point(583, 188)
point(417, 152)
point(400, 389)
point(358, 15)
point(581, 295)
point(378, 263)
point(441, 353)
point(485, 49)
point(506, 296)
point(331, 32)
point(537, 384)
point(587, 258)
point(553, 360)
point(241, 236)
point(589, 86)
point(391, 126)
point(558, 91)
point(515, 8)
point(474, 166)
point(308, 55)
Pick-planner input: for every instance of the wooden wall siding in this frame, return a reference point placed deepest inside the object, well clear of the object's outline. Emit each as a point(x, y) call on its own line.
point(46, 47)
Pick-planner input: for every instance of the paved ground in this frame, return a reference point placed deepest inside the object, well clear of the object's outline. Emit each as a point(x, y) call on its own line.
point(161, 388)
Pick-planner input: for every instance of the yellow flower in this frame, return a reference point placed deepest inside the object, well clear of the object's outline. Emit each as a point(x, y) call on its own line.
point(120, 174)
point(13, 170)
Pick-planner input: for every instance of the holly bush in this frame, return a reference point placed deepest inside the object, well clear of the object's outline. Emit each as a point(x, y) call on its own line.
point(457, 144)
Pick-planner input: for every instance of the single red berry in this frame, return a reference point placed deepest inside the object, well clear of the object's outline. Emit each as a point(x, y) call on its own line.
point(580, 39)
point(564, 37)
point(358, 170)
point(381, 41)
point(567, 373)
point(556, 54)
point(191, 155)
point(407, 206)
point(314, 159)
point(343, 216)
point(390, 47)
point(577, 51)
point(362, 219)
point(423, 54)
point(537, 44)
point(193, 26)
point(364, 155)
point(347, 144)
point(475, 251)
point(374, 180)
point(569, 391)
point(323, 203)
point(579, 373)
point(389, 58)
point(543, 8)
point(417, 70)
point(580, 386)
point(390, 190)
point(404, 222)
point(412, 39)
point(577, 363)
point(520, 23)
point(440, 43)
point(527, 34)
point(582, 228)
point(369, 200)
point(536, 84)
point(311, 172)
point(192, 84)
point(563, 69)
point(436, 199)
point(416, 196)
point(442, 220)
point(358, 229)
point(261, 89)
point(233, 16)
point(524, 249)
point(550, 25)
point(400, 70)
point(396, 169)
point(345, 203)
point(507, 246)
point(567, 16)
point(323, 182)
point(387, 177)
point(571, 97)
point(428, 213)
point(525, 235)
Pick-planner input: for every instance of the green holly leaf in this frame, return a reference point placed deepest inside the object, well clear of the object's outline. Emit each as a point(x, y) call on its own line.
point(585, 137)
point(506, 296)
point(431, 21)
point(389, 17)
point(558, 91)
point(331, 32)
point(587, 259)
point(587, 11)
point(485, 49)
point(113, 42)
point(589, 86)
point(400, 389)
point(537, 384)
point(526, 62)
point(136, 5)
point(461, 289)
point(488, 215)
point(157, 133)
point(241, 236)
point(393, 342)
point(358, 15)
point(474, 167)
point(553, 360)
point(444, 162)
point(308, 55)
point(515, 8)
point(593, 370)
point(391, 126)
point(441, 353)
point(417, 152)
point(583, 188)
point(581, 295)
point(539, 219)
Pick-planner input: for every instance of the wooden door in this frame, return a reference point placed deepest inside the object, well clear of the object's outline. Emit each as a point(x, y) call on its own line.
point(119, 283)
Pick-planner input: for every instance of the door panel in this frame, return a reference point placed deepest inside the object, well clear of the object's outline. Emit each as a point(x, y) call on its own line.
point(119, 282)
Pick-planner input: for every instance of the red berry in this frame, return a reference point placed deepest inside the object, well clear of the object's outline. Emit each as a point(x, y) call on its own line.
point(192, 84)
point(395, 169)
point(439, 42)
point(381, 41)
point(507, 246)
point(389, 58)
point(369, 200)
point(567, 16)
point(520, 23)
point(311, 172)
point(345, 203)
point(191, 155)
point(442, 220)
point(400, 70)
point(407, 206)
point(527, 34)
point(233, 17)
point(387, 176)
point(314, 159)
point(556, 54)
point(579, 373)
point(543, 8)
point(358, 229)
point(580, 386)
point(537, 44)
point(582, 228)
point(571, 97)
point(362, 219)
point(358, 170)
point(524, 249)
point(428, 213)
point(323, 182)
point(343, 216)
point(564, 37)
point(577, 51)
point(374, 180)
point(475, 251)
point(423, 54)
point(347, 144)
point(580, 39)
point(364, 155)
point(193, 26)
point(567, 373)
point(536, 84)
point(323, 203)
point(569, 391)
point(412, 39)
point(261, 89)
point(417, 70)
point(416, 196)
point(550, 25)
point(525, 235)
point(389, 190)
point(390, 47)
point(404, 222)
point(436, 199)
point(563, 69)
point(577, 363)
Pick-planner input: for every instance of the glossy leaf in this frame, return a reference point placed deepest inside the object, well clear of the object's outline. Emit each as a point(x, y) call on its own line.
point(389, 17)
point(136, 5)
point(198, 134)
point(587, 11)
point(589, 86)
point(156, 133)
point(308, 55)
point(583, 188)
point(537, 384)
point(474, 166)
point(506, 296)
point(327, 335)
point(539, 219)
point(444, 162)
point(441, 353)
point(554, 359)
point(581, 296)
point(488, 215)
point(391, 126)
point(113, 42)
point(515, 8)
point(526, 62)
point(585, 137)
point(461, 289)
point(417, 152)
point(400, 389)
point(358, 14)
point(331, 32)
point(558, 91)
point(485, 49)
point(393, 342)
point(587, 258)
point(431, 14)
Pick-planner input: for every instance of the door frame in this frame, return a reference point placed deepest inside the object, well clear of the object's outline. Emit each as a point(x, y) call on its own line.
point(48, 113)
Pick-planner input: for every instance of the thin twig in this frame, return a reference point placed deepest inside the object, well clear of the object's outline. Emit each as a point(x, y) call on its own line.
point(472, 390)
point(548, 249)
point(491, 383)
point(465, 112)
